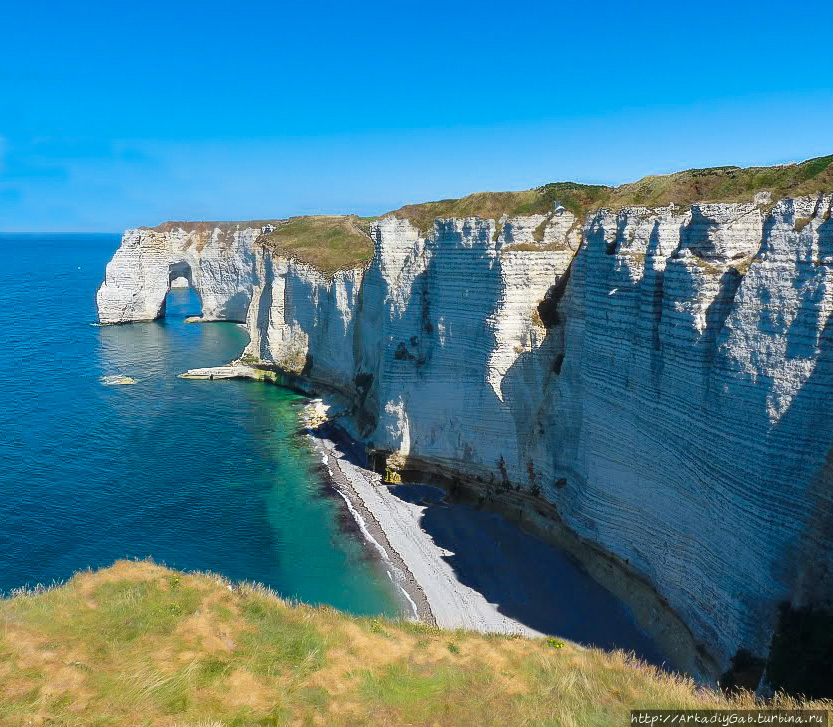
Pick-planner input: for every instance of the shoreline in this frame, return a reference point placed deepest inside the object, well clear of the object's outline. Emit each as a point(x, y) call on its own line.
point(581, 595)
point(372, 531)
point(392, 527)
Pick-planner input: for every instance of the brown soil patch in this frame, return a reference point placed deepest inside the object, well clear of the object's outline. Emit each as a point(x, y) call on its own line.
point(201, 628)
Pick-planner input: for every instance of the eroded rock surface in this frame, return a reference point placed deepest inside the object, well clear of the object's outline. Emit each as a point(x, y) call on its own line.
point(218, 263)
point(663, 378)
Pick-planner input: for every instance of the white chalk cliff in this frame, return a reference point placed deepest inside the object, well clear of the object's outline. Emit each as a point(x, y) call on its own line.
point(218, 261)
point(662, 378)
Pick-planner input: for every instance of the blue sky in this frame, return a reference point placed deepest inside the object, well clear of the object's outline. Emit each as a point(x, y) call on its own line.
point(119, 114)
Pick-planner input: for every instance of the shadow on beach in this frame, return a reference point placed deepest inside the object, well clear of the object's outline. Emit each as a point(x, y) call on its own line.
point(528, 580)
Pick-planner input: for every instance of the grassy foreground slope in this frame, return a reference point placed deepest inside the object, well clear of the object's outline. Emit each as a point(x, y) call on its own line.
point(138, 644)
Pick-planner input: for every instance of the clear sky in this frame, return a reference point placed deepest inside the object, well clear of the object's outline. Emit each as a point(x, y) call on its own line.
point(116, 114)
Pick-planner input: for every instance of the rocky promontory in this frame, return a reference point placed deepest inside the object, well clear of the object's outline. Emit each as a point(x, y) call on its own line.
point(651, 383)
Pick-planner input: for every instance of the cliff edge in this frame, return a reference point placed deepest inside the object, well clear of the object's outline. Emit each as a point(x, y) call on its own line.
point(654, 382)
point(137, 644)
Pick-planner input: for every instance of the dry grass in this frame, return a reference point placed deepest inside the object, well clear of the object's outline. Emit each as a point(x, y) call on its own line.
point(330, 243)
point(717, 184)
point(138, 644)
point(338, 242)
point(578, 198)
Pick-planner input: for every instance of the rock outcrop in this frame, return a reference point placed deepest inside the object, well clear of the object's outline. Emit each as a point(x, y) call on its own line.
point(217, 260)
point(661, 380)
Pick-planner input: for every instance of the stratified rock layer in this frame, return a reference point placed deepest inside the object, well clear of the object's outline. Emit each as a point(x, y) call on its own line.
point(662, 378)
point(218, 263)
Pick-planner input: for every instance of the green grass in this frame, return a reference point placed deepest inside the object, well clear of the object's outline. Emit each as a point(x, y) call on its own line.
point(727, 184)
point(137, 644)
point(717, 184)
point(578, 198)
point(330, 243)
point(337, 242)
point(278, 641)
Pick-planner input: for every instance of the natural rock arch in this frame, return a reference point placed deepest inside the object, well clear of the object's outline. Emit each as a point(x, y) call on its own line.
point(221, 270)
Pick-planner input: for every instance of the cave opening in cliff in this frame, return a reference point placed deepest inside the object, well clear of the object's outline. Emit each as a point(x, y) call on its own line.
point(182, 299)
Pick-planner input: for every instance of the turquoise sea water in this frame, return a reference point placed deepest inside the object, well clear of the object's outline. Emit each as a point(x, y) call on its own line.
point(211, 475)
point(197, 475)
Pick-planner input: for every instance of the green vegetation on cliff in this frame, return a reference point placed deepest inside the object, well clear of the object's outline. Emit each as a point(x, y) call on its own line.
point(138, 644)
point(578, 198)
point(329, 242)
point(717, 184)
point(726, 184)
point(338, 242)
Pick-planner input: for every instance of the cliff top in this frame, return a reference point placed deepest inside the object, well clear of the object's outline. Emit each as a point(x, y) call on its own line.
point(726, 184)
point(329, 242)
point(335, 242)
point(578, 198)
point(715, 184)
point(208, 226)
point(140, 644)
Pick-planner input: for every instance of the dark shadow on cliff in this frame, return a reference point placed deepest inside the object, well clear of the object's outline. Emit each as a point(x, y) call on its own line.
point(803, 499)
point(801, 657)
point(718, 312)
point(810, 412)
point(264, 308)
point(811, 308)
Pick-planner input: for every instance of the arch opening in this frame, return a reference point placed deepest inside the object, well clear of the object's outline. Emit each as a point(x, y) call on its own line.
point(182, 300)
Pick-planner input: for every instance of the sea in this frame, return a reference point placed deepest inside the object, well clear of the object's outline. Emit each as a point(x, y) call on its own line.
point(197, 475)
point(212, 475)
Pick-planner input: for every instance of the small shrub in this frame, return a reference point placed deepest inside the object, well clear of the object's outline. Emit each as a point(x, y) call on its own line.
point(377, 628)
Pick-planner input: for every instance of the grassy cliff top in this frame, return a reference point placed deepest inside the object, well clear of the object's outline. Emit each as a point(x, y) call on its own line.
point(329, 242)
point(726, 184)
point(578, 198)
point(716, 184)
point(208, 226)
point(138, 644)
point(336, 242)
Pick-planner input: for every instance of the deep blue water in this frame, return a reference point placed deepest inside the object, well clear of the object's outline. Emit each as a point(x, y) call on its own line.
point(197, 475)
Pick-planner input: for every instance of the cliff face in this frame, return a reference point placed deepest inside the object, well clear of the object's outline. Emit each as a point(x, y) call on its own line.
point(218, 261)
point(663, 379)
